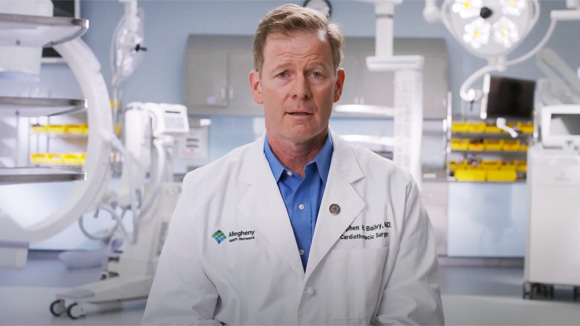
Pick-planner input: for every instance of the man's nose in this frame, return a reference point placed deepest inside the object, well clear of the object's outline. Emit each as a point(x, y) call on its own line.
point(301, 88)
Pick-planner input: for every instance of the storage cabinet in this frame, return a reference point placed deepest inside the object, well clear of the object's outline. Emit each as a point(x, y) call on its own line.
point(481, 152)
point(209, 87)
point(240, 91)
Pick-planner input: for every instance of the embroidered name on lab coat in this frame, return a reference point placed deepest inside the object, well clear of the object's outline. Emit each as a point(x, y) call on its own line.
point(367, 232)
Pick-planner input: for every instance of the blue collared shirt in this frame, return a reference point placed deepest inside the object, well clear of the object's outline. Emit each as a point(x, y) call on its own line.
point(302, 196)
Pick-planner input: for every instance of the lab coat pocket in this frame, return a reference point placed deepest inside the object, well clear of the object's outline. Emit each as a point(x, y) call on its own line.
point(360, 275)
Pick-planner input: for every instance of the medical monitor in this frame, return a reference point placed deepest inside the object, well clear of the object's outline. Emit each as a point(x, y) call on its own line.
point(508, 98)
point(560, 125)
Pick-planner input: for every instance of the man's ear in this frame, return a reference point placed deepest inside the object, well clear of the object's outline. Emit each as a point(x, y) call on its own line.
point(338, 84)
point(256, 86)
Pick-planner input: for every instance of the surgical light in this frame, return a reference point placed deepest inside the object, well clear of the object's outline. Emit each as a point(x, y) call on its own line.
point(467, 9)
point(505, 32)
point(512, 7)
point(490, 28)
point(477, 33)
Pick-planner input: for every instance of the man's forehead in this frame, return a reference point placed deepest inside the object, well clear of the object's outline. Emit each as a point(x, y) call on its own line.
point(283, 42)
point(280, 35)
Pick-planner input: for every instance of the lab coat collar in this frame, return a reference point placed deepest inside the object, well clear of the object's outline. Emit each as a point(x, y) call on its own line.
point(344, 171)
point(263, 205)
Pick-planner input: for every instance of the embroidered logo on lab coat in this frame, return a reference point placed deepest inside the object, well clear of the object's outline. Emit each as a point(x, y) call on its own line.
point(233, 236)
point(219, 236)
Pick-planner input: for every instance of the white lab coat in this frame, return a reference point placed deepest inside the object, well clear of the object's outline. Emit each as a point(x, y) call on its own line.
point(255, 275)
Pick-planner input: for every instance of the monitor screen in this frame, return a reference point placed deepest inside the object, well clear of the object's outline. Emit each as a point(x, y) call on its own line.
point(565, 125)
point(508, 98)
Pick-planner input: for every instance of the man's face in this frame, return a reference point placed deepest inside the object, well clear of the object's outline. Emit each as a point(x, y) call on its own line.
point(297, 86)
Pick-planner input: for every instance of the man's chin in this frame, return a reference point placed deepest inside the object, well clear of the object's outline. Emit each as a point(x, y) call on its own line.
point(304, 136)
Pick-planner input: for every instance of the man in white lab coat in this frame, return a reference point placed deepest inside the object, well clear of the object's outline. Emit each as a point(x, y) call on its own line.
point(299, 227)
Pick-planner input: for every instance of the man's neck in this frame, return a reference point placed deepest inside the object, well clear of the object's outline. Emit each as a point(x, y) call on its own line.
point(295, 156)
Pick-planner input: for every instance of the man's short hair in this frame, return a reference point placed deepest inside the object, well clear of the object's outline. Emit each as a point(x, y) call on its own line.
point(293, 18)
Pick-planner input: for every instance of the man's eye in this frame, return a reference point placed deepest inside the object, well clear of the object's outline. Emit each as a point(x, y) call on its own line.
point(317, 74)
point(283, 74)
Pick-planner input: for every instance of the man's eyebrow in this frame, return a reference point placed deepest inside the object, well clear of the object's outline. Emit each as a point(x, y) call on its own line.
point(311, 65)
point(282, 65)
point(319, 63)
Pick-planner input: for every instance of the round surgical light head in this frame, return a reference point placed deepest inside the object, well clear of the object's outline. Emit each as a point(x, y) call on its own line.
point(467, 8)
point(505, 32)
point(513, 7)
point(490, 28)
point(477, 33)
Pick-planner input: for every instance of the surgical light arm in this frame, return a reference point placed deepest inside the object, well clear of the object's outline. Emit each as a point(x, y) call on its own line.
point(564, 84)
point(431, 12)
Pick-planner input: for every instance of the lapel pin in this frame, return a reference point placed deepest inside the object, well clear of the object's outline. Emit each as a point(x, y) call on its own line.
point(334, 209)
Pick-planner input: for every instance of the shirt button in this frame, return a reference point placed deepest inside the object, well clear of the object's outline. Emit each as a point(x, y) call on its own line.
point(301, 252)
point(301, 207)
point(289, 173)
point(309, 291)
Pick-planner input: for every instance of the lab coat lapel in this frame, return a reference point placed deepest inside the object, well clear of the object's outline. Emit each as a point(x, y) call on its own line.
point(263, 205)
point(344, 170)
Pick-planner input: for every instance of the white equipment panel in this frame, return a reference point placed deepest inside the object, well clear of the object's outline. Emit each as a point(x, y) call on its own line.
point(553, 249)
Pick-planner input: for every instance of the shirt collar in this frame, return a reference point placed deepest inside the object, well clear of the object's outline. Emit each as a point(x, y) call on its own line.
point(275, 164)
point(322, 159)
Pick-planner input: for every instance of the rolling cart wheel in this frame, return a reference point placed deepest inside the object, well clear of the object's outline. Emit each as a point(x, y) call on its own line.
point(535, 291)
point(527, 290)
point(75, 311)
point(543, 290)
point(57, 308)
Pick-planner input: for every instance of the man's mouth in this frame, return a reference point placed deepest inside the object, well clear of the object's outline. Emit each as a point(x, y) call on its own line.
point(299, 113)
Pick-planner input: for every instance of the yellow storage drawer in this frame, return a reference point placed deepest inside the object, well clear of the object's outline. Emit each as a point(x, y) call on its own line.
point(459, 144)
point(39, 158)
point(511, 145)
point(524, 148)
point(477, 127)
point(470, 175)
point(490, 165)
point(77, 129)
point(457, 165)
point(73, 159)
point(475, 146)
point(526, 128)
point(493, 130)
point(521, 166)
point(57, 129)
point(508, 165)
point(460, 126)
point(39, 128)
point(493, 145)
point(474, 166)
point(502, 176)
point(55, 158)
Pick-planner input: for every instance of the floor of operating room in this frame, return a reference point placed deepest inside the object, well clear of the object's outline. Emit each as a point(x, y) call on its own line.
point(479, 295)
